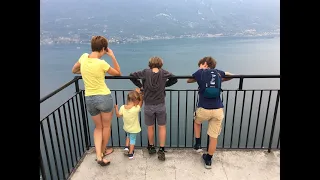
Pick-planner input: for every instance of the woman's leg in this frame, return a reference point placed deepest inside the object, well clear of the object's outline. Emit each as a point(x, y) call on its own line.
point(93, 104)
point(106, 119)
point(105, 107)
point(97, 135)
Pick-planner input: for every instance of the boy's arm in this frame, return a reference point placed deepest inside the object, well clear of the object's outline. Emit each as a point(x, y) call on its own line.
point(191, 80)
point(171, 78)
point(225, 78)
point(171, 81)
point(138, 74)
point(117, 111)
point(194, 77)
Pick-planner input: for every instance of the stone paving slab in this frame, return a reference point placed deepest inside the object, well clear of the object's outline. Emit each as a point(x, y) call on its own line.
point(182, 164)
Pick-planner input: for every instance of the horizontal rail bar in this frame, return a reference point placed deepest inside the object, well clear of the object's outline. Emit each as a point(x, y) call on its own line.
point(130, 77)
point(59, 106)
point(225, 90)
point(59, 89)
point(186, 77)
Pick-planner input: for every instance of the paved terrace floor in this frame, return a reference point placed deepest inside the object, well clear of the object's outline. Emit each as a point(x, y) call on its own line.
point(182, 164)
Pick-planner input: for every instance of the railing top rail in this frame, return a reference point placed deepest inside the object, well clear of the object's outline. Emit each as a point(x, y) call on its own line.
point(186, 77)
point(76, 78)
point(59, 89)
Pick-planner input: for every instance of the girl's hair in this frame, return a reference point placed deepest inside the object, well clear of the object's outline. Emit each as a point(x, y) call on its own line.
point(133, 96)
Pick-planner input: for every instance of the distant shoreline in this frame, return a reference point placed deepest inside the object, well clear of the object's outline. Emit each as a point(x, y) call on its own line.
point(74, 41)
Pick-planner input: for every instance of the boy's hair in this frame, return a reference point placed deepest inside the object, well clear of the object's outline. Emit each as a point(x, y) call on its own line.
point(98, 43)
point(155, 62)
point(209, 60)
point(133, 96)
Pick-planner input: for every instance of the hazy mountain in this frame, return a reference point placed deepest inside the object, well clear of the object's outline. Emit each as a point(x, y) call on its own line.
point(77, 20)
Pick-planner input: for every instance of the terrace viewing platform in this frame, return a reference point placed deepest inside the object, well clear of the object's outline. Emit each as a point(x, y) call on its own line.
point(248, 146)
point(182, 164)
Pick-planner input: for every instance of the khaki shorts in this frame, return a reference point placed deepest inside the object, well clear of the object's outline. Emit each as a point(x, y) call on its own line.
point(214, 118)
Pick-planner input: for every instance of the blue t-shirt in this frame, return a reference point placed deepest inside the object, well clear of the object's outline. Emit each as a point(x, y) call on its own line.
point(205, 103)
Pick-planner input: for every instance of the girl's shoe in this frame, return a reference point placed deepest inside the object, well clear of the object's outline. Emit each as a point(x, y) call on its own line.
point(130, 156)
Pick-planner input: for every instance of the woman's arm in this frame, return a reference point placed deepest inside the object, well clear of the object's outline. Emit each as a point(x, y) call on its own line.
point(117, 111)
point(114, 71)
point(76, 68)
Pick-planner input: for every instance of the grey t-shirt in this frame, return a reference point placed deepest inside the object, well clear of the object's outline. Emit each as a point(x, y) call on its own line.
point(154, 84)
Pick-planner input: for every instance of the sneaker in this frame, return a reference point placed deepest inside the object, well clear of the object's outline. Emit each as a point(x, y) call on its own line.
point(161, 155)
point(207, 163)
point(126, 151)
point(130, 156)
point(151, 150)
point(197, 148)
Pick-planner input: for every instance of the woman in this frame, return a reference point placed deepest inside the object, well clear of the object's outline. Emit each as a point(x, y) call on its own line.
point(98, 96)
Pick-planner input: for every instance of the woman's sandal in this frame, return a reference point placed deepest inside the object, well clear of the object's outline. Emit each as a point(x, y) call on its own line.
point(102, 163)
point(106, 153)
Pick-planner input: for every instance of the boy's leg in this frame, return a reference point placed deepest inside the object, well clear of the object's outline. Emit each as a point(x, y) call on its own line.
point(162, 135)
point(149, 116)
point(151, 135)
point(133, 137)
point(161, 121)
point(199, 116)
point(214, 129)
point(197, 132)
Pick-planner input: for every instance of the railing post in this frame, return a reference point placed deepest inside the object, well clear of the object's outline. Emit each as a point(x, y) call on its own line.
point(274, 121)
point(77, 85)
point(86, 136)
point(43, 173)
point(240, 83)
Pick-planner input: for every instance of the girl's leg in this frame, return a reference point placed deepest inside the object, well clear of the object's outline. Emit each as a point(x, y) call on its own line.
point(132, 142)
point(127, 140)
point(126, 148)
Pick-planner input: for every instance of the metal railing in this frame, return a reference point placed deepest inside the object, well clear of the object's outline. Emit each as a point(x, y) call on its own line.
point(65, 133)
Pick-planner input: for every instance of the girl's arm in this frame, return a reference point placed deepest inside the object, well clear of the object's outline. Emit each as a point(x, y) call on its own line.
point(141, 97)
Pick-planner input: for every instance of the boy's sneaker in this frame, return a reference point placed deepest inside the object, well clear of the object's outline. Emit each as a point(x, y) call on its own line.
point(161, 155)
point(126, 151)
point(207, 163)
point(151, 149)
point(197, 148)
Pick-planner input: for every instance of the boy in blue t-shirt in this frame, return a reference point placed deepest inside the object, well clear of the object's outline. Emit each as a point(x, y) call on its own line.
point(208, 109)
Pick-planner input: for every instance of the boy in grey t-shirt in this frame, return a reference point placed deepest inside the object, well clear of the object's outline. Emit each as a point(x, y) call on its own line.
point(155, 79)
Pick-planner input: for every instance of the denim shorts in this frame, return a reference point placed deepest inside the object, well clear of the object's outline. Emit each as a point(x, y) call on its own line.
point(99, 103)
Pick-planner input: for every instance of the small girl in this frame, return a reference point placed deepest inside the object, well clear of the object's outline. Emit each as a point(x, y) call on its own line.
point(130, 116)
